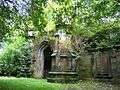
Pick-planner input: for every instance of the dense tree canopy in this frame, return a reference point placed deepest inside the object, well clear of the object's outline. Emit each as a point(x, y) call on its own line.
point(76, 17)
point(13, 15)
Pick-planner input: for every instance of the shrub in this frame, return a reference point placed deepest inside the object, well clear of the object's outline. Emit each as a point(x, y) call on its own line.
point(16, 58)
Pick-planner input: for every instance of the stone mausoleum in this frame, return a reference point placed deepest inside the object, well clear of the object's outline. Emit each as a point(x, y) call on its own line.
point(57, 61)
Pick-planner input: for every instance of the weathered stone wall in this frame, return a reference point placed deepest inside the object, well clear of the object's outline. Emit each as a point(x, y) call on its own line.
point(115, 63)
point(39, 45)
point(84, 66)
point(106, 64)
point(89, 64)
point(102, 64)
point(38, 61)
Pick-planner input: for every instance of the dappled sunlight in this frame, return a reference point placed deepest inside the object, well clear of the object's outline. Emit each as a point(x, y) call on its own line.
point(59, 44)
point(40, 84)
point(7, 78)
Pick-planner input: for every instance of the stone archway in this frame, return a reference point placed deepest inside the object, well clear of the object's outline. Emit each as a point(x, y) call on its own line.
point(42, 62)
point(47, 61)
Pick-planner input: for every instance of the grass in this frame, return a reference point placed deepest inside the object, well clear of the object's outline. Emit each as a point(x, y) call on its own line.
point(26, 84)
point(12, 83)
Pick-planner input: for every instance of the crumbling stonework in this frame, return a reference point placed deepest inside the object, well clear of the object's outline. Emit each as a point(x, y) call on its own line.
point(67, 65)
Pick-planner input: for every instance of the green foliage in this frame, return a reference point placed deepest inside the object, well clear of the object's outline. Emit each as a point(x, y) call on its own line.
point(16, 57)
point(4, 14)
point(105, 38)
point(92, 16)
point(37, 15)
point(76, 17)
point(12, 18)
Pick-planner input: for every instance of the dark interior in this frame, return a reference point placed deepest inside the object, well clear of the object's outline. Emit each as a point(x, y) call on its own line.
point(47, 61)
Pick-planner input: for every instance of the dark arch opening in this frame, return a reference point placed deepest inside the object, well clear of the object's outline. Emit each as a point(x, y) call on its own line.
point(47, 60)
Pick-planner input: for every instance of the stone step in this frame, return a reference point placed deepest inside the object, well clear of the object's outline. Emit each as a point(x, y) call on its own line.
point(62, 80)
point(62, 77)
point(65, 73)
point(62, 74)
point(103, 75)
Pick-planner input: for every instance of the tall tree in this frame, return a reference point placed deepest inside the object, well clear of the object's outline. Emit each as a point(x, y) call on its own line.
point(13, 14)
point(78, 17)
point(95, 15)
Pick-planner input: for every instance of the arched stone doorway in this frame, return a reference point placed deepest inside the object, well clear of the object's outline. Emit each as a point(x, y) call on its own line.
point(42, 63)
point(47, 61)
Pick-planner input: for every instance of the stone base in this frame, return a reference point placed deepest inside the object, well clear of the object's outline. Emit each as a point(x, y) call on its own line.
point(62, 77)
point(103, 76)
